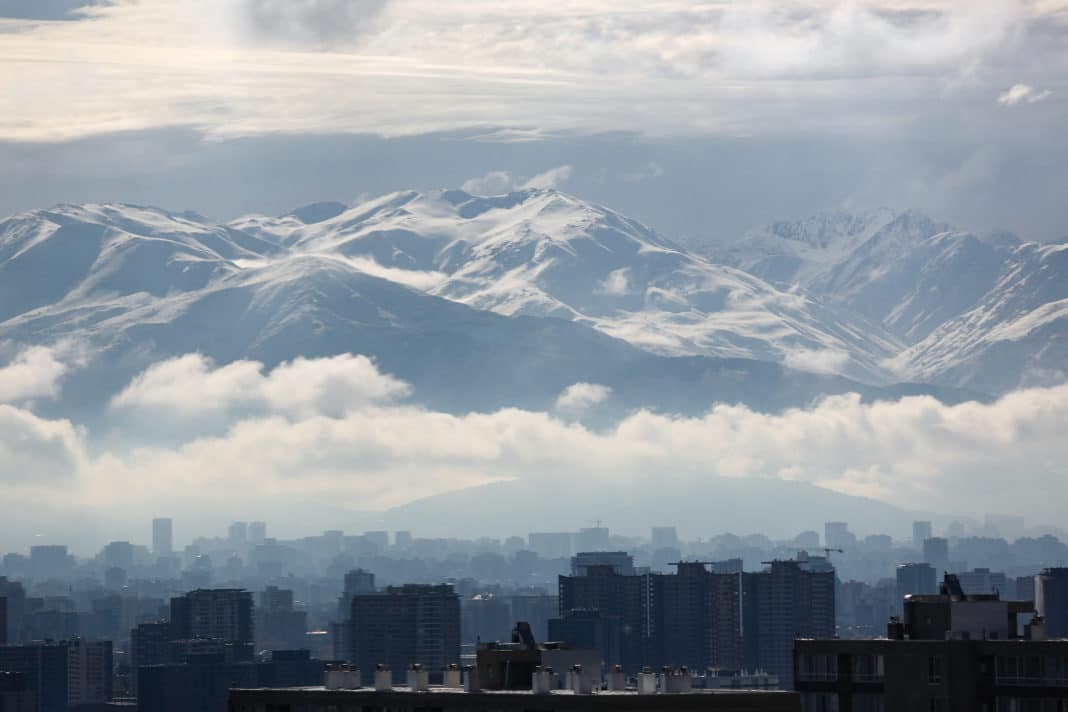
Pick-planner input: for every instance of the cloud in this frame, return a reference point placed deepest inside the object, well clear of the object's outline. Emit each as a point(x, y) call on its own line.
point(650, 172)
point(500, 182)
point(616, 284)
point(45, 9)
point(33, 373)
point(318, 22)
point(830, 361)
point(192, 384)
point(582, 396)
point(915, 452)
point(35, 452)
point(1023, 93)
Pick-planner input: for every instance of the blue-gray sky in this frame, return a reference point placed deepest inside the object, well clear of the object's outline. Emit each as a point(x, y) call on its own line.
point(701, 118)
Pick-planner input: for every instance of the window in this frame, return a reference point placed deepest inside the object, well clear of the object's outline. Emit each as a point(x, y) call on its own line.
point(819, 702)
point(868, 668)
point(868, 703)
point(934, 670)
point(818, 668)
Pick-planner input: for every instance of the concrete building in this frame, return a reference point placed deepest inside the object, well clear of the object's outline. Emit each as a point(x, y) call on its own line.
point(257, 533)
point(936, 553)
point(150, 644)
point(221, 613)
point(790, 599)
point(620, 601)
point(694, 619)
point(1051, 600)
point(664, 538)
point(3, 620)
point(950, 651)
point(50, 562)
point(620, 561)
point(592, 539)
point(404, 625)
point(915, 579)
point(44, 667)
point(836, 535)
point(163, 536)
point(89, 671)
point(15, 693)
point(550, 545)
point(279, 626)
point(921, 532)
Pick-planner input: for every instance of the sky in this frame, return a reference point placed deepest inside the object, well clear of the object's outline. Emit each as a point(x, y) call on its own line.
point(702, 118)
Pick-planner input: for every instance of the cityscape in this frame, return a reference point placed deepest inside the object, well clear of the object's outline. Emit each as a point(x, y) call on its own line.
point(177, 623)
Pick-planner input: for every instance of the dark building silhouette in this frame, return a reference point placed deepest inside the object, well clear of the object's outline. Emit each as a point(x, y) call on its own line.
point(620, 604)
point(278, 625)
point(694, 618)
point(15, 596)
point(915, 579)
point(950, 651)
point(1051, 600)
point(789, 600)
point(45, 668)
point(15, 693)
point(217, 614)
point(404, 625)
point(3, 620)
point(150, 644)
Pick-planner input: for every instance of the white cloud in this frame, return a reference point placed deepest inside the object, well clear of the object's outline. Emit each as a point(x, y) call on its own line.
point(192, 384)
point(582, 396)
point(650, 172)
point(435, 65)
point(616, 284)
point(33, 373)
point(500, 182)
point(35, 452)
point(817, 360)
point(549, 179)
point(1023, 93)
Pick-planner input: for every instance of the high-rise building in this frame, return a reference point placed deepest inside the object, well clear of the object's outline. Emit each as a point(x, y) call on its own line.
point(278, 625)
point(89, 671)
point(150, 644)
point(694, 619)
point(836, 535)
point(915, 579)
point(550, 545)
point(49, 562)
point(620, 561)
point(921, 532)
point(119, 553)
point(664, 538)
point(237, 534)
point(621, 602)
point(3, 620)
point(257, 533)
point(786, 601)
point(936, 553)
point(221, 613)
point(45, 668)
point(163, 536)
point(379, 539)
point(1051, 600)
point(404, 625)
point(15, 596)
point(402, 539)
point(592, 539)
point(15, 693)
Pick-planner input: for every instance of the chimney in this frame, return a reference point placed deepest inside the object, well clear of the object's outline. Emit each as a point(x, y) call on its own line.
point(542, 681)
point(453, 676)
point(418, 678)
point(350, 678)
point(471, 683)
point(617, 680)
point(333, 679)
point(647, 682)
point(383, 678)
point(579, 681)
point(676, 681)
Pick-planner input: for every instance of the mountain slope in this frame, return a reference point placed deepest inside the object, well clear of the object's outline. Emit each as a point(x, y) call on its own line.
point(543, 253)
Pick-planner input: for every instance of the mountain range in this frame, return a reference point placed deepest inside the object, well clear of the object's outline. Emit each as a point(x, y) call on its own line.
point(486, 302)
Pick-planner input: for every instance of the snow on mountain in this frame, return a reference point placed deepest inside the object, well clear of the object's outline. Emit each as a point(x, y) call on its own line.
point(1015, 335)
point(983, 312)
point(544, 253)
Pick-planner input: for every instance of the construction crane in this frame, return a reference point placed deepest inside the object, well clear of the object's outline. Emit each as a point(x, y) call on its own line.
point(827, 551)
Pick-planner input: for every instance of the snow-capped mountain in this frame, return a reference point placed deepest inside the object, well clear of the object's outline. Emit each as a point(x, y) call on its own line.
point(407, 280)
point(981, 312)
point(544, 253)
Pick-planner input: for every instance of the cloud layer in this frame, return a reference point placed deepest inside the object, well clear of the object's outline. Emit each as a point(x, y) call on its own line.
point(325, 433)
point(33, 373)
point(245, 67)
